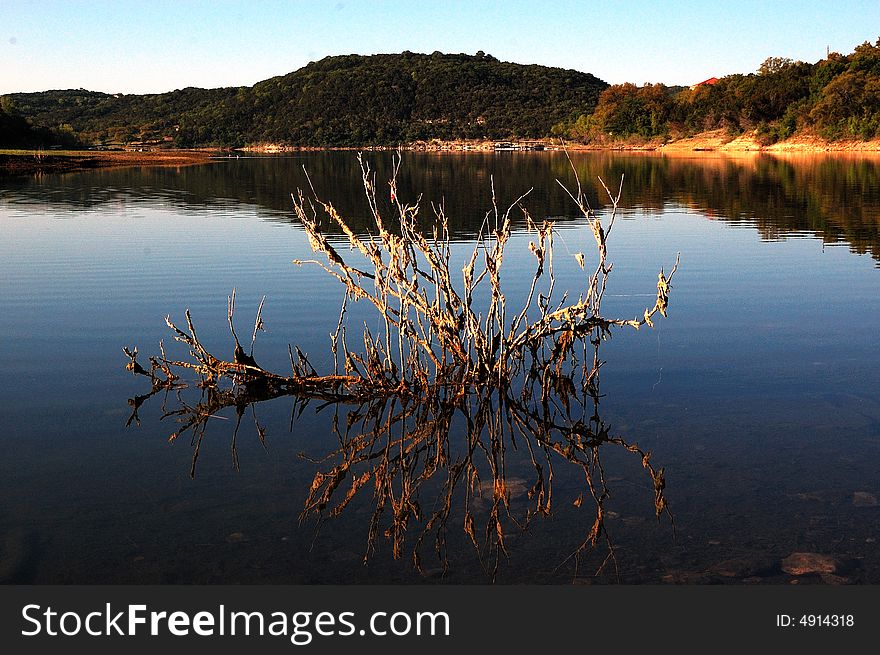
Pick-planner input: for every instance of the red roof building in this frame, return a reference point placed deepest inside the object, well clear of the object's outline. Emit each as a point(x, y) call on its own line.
point(710, 82)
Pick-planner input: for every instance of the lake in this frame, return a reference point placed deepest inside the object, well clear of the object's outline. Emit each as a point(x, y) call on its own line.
point(758, 396)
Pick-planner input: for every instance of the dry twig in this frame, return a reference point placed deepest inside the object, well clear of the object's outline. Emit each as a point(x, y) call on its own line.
point(441, 357)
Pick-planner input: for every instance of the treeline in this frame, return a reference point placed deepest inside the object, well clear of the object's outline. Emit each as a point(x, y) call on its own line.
point(17, 132)
point(338, 101)
point(392, 99)
point(100, 118)
point(835, 98)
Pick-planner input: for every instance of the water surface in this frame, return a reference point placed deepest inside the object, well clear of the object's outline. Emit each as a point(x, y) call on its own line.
point(758, 395)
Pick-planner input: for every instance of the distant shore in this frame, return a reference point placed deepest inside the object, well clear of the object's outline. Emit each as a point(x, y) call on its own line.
point(33, 162)
point(713, 141)
point(719, 141)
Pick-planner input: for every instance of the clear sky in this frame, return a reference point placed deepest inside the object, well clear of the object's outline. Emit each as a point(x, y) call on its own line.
point(154, 46)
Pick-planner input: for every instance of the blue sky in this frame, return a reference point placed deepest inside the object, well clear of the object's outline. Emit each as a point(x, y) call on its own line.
point(147, 47)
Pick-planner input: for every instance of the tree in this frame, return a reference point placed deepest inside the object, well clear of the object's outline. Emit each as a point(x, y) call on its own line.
point(849, 107)
point(8, 106)
point(628, 110)
point(774, 65)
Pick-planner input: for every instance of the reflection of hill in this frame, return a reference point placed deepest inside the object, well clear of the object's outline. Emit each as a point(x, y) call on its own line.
point(836, 198)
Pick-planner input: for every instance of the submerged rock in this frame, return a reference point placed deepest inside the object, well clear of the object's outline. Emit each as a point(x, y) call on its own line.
point(686, 577)
point(809, 563)
point(513, 486)
point(745, 567)
point(864, 499)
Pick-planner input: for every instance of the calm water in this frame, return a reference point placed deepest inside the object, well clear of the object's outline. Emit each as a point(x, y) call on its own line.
point(759, 395)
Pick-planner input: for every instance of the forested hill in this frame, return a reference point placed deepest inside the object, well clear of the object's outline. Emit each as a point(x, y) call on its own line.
point(339, 101)
point(834, 99)
point(18, 132)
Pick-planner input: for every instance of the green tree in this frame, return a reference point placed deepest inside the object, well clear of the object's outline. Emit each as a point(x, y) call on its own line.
point(626, 110)
point(773, 65)
point(849, 107)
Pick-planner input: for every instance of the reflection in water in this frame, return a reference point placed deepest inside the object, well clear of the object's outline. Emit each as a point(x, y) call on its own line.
point(759, 398)
point(836, 198)
point(444, 460)
point(426, 413)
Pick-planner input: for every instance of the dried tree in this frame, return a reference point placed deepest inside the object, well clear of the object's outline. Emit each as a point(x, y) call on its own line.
point(528, 377)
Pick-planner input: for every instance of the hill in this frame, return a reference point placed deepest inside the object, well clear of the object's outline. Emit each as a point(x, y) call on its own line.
point(834, 99)
point(348, 100)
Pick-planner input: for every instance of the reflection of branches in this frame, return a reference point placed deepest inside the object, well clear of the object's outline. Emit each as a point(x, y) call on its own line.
point(444, 364)
point(447, 451)
point(396, 447)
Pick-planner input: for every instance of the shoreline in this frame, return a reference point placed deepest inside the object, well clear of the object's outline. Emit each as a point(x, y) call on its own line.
point(41, 162)
point(716, 141)
point(719, 141)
